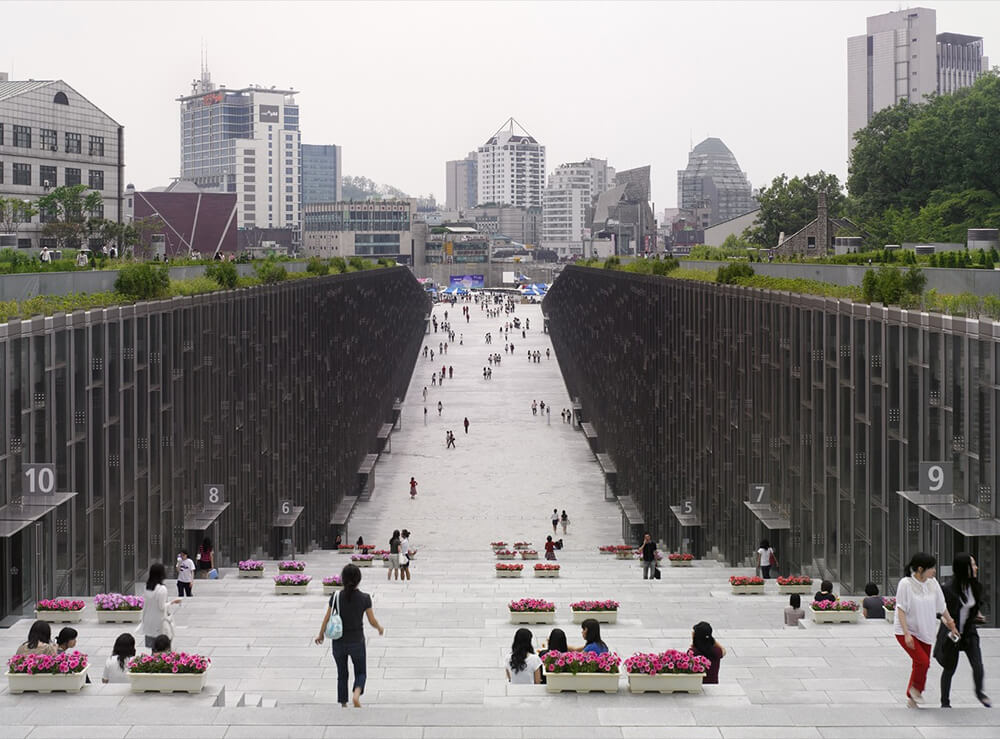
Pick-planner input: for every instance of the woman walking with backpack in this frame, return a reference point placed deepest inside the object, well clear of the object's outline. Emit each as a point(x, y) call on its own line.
point(348, 607)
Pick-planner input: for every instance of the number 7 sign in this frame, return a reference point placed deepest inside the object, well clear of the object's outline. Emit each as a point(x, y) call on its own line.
point(760, 492)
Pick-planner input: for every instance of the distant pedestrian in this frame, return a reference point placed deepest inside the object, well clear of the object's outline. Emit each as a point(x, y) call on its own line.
point(534, 407)
point(425, 392)
point(440, 408)
point(413, 488)
point(434, 380)
point(647, 551)
point(425, 415)
point(555, 520)
point(450, 441)
point(550, 548)
point(564, 520)
point(451, 372)
point(466, 424)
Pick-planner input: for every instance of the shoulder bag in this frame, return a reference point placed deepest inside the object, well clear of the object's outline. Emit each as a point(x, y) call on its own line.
point(335, 625)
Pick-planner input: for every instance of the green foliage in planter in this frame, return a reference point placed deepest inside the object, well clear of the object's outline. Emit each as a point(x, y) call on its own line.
point(224, 273)
point(317, 266)
point(732, 273)
point(270, 273)
point(142, 281)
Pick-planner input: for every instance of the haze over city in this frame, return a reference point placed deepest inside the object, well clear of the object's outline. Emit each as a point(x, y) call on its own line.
point(404, 87)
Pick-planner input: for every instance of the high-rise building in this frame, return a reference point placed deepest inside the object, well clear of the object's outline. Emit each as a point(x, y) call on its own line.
point(569, 198)
point(511, 168)
point(461, 188)
point(321, 173)
point(51, 136)
point(245, 141)
point(713, 181)
point(902, 57)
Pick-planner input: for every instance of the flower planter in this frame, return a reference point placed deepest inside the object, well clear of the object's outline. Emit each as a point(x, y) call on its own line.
point(747, 589)
point(687, 683)
point(565, 682)
point(546, 573)
point(890, 614)
point(290, 589)
point(793, 589)
point(331, 589)
point(70, 683)
point(60, 617)
point(506, 556)
point(628, 554)
point(834, 617)
point(529, 555)
point(604, 617)
point(532, 617)
point(509, 573)
point(167, 683)
point(119, 617)
point(605, 551)
point(521, 546)
point(679, 563)
point(362, 563)
point(252, 573)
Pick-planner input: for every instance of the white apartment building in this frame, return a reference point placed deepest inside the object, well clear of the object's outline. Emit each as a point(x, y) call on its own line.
point(568, 198)
point(511, 168)
point(245, 141)
point(52, 136)
point(903, 57)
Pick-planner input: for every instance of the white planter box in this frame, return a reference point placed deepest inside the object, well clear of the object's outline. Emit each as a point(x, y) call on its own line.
point(119, 617)
point(604, 617)
point(331, 589)
point(603, 552)
point(290, 589)
point(165, 683)
point(793, 589)
point(519, 547)
point(558, 682)
point(546, 573)
point(834, 617)
point(679, 563)
point(505, 556)
point(509, 573)
point(890, 614)
point(46, 683)
point(60, 617)
point(290, 572)
point(525, 555)
point(251, 573)
point(352, 550)
point(665, 683)
point(533, 617)
point(748, 589)
point(497, 549)
point(625, 555)
point(363, 563)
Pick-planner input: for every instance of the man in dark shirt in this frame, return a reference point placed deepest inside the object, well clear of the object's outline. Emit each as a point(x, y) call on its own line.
point(648, 552)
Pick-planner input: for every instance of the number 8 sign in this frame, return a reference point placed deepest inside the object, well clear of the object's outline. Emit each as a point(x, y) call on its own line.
point(215, 495)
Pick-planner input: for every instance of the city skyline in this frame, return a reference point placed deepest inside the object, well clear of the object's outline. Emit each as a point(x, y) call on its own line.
point(751, 92)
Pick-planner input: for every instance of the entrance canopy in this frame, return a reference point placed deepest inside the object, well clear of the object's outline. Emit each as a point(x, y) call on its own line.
point(964, 518)
point(16, 516)
point(772, 519)
point(203, 520)
point(692, 520)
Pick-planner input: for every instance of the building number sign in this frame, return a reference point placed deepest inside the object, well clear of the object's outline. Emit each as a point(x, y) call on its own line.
point(214, 495)
point(936, 478)
point(39, 479)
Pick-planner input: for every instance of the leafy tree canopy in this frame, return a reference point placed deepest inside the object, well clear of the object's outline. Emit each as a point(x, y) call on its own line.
point(786, 205)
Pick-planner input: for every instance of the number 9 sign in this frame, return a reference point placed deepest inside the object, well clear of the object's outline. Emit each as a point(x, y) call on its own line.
point(214, 494)
point(936, 478)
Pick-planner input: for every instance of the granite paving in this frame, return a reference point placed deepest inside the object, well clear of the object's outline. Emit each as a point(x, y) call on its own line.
point(438, 670)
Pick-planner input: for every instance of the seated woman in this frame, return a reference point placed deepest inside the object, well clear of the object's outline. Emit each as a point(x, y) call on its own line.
point(161, 644)
point(66, 639)
point(591, 629)
point(39, 640)
point(704, 644)
point(794, 612)
point(871, 606)
point(556, 643)
point(523, 666)
point(825, 591)
point(116, 668)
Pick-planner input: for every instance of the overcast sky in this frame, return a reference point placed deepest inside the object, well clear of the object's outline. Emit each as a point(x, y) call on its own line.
point(404, 87)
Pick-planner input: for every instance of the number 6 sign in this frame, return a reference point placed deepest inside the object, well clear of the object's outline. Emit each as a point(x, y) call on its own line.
point(935, 478)
point(285, 507)
point(215, 494)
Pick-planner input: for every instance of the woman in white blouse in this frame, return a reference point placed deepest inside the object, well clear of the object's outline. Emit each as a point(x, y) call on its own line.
point(919, 600)
point(524, 667)
point(116, 668)
point(156, 606)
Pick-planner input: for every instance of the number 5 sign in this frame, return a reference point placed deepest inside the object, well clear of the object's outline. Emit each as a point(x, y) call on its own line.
point(760, 492)
point(935, 478)
point(215, 495)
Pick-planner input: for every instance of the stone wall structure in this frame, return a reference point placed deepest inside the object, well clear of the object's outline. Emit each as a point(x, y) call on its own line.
point(700, 391)
point(276, 393)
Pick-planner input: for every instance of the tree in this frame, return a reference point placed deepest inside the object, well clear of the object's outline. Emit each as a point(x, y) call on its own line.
point(787, 205)
point(65, 211)
point(14, 212)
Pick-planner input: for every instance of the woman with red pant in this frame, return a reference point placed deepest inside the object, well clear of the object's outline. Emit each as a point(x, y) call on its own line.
point(919, 600)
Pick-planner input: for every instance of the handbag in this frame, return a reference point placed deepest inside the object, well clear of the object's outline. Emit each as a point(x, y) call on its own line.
point(334, 625)
point(656, 573)
point(946, 650)
point(213, 574)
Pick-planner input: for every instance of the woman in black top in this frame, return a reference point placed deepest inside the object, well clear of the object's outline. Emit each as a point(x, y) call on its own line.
point(825, 592)
point(556, 643)
point(963, 595)
point(351, 604)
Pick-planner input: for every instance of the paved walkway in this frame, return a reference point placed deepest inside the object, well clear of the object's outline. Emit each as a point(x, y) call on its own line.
point(438, 671)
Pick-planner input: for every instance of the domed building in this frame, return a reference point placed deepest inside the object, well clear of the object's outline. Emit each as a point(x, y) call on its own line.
point(714, 183)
